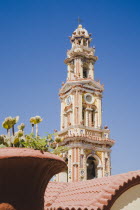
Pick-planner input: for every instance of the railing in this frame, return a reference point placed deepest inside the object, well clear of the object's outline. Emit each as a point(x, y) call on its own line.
point(92, 133)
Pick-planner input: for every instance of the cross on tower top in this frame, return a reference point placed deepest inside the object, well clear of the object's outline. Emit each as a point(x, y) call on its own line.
point(79, 20)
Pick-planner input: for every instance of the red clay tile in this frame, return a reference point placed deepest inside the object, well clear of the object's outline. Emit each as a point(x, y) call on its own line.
point(91, 194)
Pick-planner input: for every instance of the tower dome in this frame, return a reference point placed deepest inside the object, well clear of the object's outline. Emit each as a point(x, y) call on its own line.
point(80, 37)
point(80, 31)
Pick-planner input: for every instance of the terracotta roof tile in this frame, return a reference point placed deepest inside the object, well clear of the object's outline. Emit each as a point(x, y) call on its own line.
point(90, 194)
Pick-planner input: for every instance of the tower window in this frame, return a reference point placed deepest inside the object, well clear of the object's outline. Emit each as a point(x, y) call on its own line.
point(79, 42)
point(93, 117)
point(85, 73)
point(84, 43)
point(91, 168)
point(83, 114)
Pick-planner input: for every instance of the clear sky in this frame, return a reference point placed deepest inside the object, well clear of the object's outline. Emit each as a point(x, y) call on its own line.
point(33, 44)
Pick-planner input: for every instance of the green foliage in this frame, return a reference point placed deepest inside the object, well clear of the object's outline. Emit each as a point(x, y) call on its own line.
point(2, 146)
point(9, 122)
point(46, 143)
point(50, 143)
point(59, 150)
point(36, 143)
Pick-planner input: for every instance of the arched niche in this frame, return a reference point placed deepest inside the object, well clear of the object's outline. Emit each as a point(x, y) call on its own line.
point(94, 167)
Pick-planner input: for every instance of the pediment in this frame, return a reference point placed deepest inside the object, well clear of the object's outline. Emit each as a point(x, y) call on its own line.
point(84, 84)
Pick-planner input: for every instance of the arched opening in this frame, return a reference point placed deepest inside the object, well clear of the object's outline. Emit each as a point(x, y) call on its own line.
point(84, 43)
point(91, 168)
point(79, 42)
point(85, 73)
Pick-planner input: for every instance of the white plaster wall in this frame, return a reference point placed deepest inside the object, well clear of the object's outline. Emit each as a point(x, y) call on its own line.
point(62, 177)
point(129, 200)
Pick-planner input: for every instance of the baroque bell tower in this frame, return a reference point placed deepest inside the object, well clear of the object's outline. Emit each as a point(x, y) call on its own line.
point(89, 144)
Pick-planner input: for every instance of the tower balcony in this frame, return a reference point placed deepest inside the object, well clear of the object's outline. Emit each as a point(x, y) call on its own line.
point(81, 48)
point(85, 133)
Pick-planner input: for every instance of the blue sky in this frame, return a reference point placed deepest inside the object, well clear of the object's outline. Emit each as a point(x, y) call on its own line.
point(33, 44)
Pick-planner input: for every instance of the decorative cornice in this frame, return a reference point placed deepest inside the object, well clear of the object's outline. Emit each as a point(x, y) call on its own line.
point(75, 55)
point(83, 84)
point(98, 130)
point(88, 138)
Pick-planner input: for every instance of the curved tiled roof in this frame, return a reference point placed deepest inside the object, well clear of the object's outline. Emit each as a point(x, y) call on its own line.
point(95, 194)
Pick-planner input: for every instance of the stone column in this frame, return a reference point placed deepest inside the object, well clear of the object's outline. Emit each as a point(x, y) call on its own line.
point(99, 112)
point(91, 70)
point(80, 106)
point(74, 108)
point(96, 119)
point(70, 158)
point(99, 171)
point(69, 73)
point(65, 121)
point(103, 161)
point(109, 164)
point(62, 114)
point(75, 161)
point(87, 117)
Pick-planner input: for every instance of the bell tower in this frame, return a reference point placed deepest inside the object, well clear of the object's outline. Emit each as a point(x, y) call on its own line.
point(88, 143)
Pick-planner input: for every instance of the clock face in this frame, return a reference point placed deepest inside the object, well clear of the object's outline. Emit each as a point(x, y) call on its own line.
point(89, 98)
point(68, 100)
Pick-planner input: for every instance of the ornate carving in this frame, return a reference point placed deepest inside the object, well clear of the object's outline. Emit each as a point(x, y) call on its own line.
point(75, 55)
point(86, 64)
point(68, 107)
point(88, 151)
point(82, 172)
point(69, 174)
point(71, 65)
point(99, 154)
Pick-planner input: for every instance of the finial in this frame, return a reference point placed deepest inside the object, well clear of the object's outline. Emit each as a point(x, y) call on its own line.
point(79, 26)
